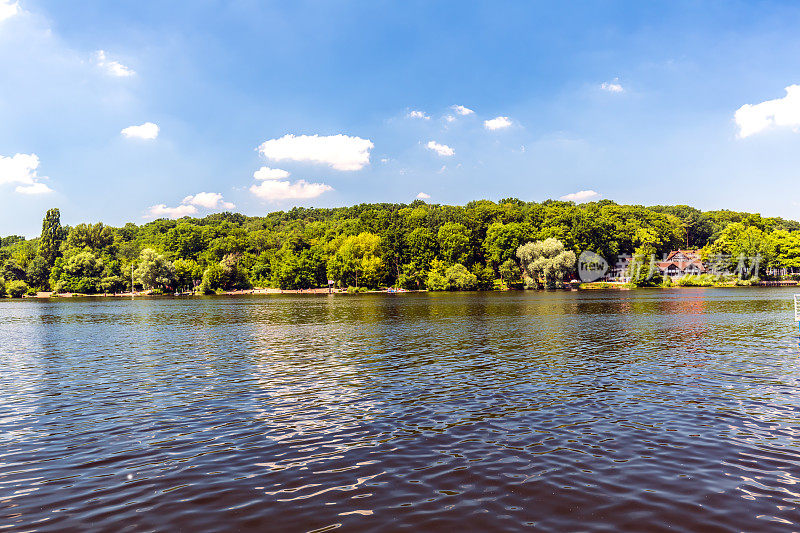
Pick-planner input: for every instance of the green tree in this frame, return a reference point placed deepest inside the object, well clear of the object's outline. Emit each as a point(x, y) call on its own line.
point(212, 278)
point(453, 241)
point(421, 246)
point(93, 237)
point(113, 283)
point(17, 288)
point(11, 240)
point(437, 281)
point(294, 272)
point(185, 241)
point(411, 276)
point(38, 273)
point(51, 237)
point(502, 241)
point(301, 246)
point(357, 259)
point(787, 248)
point(233, 275)
point(460, 279)
point(509, 271)
point(154, 270)
point(12, 271)
point(81, 273)
point(485, 276)
point(187, 272)
point(747, 249)
point(56, 272)
point(546, 260)
point(261, 270)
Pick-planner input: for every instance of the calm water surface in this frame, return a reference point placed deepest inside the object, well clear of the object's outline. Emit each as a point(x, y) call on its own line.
point(643, 410)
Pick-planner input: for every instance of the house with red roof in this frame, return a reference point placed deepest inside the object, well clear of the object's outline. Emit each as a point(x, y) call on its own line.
point(681, 263)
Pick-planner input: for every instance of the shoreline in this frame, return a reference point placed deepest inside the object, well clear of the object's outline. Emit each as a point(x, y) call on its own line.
point(619, 286)
point(243, 292)
point(593, 286)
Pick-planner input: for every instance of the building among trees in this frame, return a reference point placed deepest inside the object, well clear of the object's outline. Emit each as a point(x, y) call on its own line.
point(680, 263)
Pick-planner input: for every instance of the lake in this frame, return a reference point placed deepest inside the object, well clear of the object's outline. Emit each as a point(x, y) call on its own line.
point(592, 410)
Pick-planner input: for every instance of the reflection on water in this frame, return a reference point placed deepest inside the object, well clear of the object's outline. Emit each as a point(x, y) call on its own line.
point(559, 411)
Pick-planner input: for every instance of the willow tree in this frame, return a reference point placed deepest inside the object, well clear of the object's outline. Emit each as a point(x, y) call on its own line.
point(154, 270)
point(545, 260)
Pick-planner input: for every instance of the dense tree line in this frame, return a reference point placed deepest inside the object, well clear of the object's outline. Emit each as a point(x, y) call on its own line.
point(415, 245)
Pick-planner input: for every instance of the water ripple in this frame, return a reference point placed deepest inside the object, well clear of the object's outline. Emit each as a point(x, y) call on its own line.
point(657, 410)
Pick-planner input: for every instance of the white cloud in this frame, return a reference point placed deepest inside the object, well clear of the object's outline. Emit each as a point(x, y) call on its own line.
point(340, 152)
point(35, 188)
point(8, 9)
point(423, 196)
point(147, 131)
point(162, 210)
point(284, 190)
point(209, 200)
point(113, 68)
point(785, 111)
point(581, 196)
point(266, 173)
point(418, 114)
point(21, 169)
point(441, 149)
point(461, 110)
point(497, 123)
point(450, 118)
point(189, 205)
point(612, 86)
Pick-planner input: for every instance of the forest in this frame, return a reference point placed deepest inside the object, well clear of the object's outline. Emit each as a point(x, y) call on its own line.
point(481, 245)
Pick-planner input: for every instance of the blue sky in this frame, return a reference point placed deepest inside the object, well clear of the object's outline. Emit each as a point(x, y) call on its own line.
point(125, 111)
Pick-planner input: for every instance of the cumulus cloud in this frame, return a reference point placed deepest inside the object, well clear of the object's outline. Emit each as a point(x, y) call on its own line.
point(441, 149)
point(461, 110)
point(8, 9)
point(497, 123)
point(283, 190)
point(146, 131)
point(340, 152)
point(450, 118)
point(755, 118)
point(161, 210)
point(21, 169)
point(209, 200)
point(113, 68)
point(266, 173)
point(423, 196)
point(612, 86)
point(189, 205)
point(36, 188)
point(418, 114)
point(581, 196)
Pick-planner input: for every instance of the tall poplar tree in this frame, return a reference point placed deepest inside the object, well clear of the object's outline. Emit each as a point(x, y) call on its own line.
point(52, 235)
